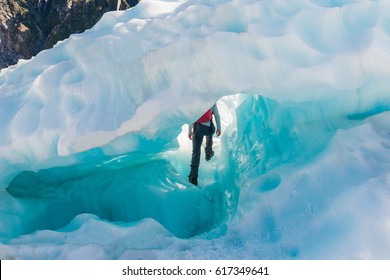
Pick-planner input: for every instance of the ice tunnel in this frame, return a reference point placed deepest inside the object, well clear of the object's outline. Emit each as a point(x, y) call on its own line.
point(261, 136)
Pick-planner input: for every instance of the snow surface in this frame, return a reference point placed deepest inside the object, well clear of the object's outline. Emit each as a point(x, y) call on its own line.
point(94, 155)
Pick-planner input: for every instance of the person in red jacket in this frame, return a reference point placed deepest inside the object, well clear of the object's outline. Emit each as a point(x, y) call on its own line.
point(204, 126)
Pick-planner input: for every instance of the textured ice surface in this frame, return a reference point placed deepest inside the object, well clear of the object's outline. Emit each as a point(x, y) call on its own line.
point(93, 151)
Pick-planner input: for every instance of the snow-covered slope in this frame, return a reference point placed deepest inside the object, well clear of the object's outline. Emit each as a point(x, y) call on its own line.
point(94, 163)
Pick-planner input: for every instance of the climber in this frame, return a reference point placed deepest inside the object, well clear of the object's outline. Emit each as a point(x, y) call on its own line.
point(204, 126)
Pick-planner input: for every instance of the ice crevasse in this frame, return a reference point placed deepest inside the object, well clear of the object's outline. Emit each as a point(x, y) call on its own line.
point(96, 125)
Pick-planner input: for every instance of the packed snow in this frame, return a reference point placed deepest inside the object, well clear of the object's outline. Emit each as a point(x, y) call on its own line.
point(94, 154)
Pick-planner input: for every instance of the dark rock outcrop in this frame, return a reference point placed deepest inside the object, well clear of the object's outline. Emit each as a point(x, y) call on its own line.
point(29, 26)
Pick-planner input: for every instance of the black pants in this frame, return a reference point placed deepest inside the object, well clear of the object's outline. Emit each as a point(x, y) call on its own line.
point(200, 132)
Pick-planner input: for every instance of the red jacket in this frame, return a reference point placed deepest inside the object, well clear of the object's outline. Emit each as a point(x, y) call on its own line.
point(206, 117)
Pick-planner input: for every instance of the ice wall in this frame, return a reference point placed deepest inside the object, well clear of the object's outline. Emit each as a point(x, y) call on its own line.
point(90, 126)
point(66, 94)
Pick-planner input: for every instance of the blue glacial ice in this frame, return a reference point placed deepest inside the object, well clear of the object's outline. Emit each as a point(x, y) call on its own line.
point(94, 155)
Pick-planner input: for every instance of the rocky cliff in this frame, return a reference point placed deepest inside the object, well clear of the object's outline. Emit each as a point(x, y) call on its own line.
point(29, 26)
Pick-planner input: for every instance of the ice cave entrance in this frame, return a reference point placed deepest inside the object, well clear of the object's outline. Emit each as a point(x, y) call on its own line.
point(133, 187)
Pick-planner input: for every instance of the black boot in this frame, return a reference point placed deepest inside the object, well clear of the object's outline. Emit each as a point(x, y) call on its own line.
point(193, 180)
point(209, 156)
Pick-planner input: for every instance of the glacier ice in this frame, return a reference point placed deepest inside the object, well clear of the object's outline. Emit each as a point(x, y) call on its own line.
point(94, 158)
